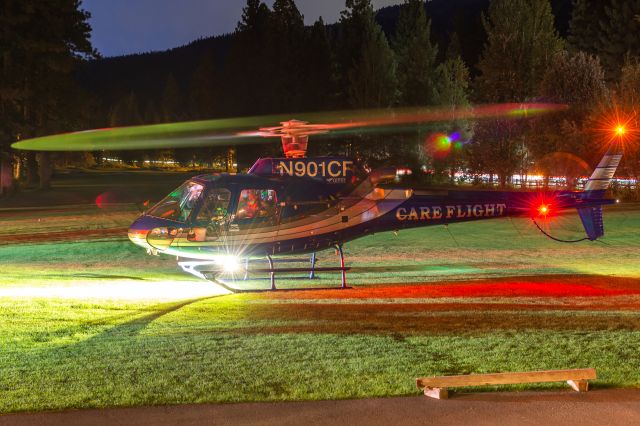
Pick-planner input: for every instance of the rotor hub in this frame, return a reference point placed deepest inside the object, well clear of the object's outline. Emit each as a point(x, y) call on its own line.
point(294, 135)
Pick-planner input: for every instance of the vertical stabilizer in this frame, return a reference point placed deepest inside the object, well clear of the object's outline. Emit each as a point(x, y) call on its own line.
point(596, 187)
point(602, 175)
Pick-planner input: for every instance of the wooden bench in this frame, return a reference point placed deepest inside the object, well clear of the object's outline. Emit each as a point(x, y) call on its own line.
point(437, 386)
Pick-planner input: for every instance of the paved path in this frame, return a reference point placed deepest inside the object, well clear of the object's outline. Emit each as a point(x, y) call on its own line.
point(599, 407)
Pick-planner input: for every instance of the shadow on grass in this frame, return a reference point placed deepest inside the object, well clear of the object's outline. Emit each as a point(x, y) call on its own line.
point(129, 328)
point(139, 323)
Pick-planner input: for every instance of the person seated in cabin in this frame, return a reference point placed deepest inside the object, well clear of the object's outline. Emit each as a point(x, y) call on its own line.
point(247, 205)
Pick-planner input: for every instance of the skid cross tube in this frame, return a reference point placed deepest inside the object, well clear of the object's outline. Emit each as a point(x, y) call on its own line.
point(343, 270)
point(272, 270)
point(272, 273)
point(312, 271)
point(312, 274)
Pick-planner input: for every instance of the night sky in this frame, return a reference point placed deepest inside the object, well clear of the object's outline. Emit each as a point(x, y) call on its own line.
point(133, 26)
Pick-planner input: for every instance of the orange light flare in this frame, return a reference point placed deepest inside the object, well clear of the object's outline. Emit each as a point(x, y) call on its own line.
point(619, 127)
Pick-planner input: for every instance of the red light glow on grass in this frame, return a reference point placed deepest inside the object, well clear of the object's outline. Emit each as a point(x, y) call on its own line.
point(545, 286)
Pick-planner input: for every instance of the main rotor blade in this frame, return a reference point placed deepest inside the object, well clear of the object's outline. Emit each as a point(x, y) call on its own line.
point(222, 132)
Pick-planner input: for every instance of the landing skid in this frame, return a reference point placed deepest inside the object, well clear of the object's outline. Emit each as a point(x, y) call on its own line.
point(211, 271)
point(268, 290)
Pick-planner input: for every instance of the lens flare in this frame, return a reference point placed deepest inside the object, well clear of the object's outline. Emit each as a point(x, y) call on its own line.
point(543, 210)
point(230, 264)
point(106, 199)
point(540, 205)
point(440, 145)
point(618, 127)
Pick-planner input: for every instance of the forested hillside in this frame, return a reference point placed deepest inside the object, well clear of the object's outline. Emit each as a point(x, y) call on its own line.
point(446, 54)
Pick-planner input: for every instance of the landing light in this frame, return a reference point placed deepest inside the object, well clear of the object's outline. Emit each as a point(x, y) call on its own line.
point(229, 264)
point(621, 130)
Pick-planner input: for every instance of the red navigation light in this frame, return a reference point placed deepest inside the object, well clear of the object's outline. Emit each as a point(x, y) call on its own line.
point(543, 210)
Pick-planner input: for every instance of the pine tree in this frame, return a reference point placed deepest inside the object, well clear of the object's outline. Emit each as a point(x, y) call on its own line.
point(354, 20)
point(126, 112)
point(204, 90)
point(171, 100)
point(246, 69)
point(318, 91)
point(254, 21)
point(584, 27)
point(629, 87)
point(40, 45)
point(620, 34)
point(286, 38)
point(452, 80)
point(607, 28)
point(497, 147)
point(575, 79)
point(521, 40)
point(416, 55)
point(371, 75)
point(628, 99)
point(454, 48)
point(453, 83)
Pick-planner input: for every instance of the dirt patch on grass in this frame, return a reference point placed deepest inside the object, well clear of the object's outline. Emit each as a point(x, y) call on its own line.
point(75, 235)
point(418, 319)
point(571, 303)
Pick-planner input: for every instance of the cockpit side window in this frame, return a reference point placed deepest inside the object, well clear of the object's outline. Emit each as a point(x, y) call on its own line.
point(257, 204)
point(179, 204)
point(215, 206)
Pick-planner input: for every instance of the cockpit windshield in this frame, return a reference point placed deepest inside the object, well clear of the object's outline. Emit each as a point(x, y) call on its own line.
point(178, 205)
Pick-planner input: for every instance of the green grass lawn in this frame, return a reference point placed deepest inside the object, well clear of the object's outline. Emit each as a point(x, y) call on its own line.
point(425, 302)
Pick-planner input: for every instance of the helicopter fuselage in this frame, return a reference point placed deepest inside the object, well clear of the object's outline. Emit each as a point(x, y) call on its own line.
point(270, 211)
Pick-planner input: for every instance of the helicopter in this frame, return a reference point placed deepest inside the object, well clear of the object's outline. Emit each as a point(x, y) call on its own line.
point(296, 204)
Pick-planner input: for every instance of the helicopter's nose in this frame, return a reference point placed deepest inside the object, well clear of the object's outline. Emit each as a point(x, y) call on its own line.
point(138, 233)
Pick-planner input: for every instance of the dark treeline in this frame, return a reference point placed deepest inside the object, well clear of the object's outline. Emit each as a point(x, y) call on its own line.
point(445, 54)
